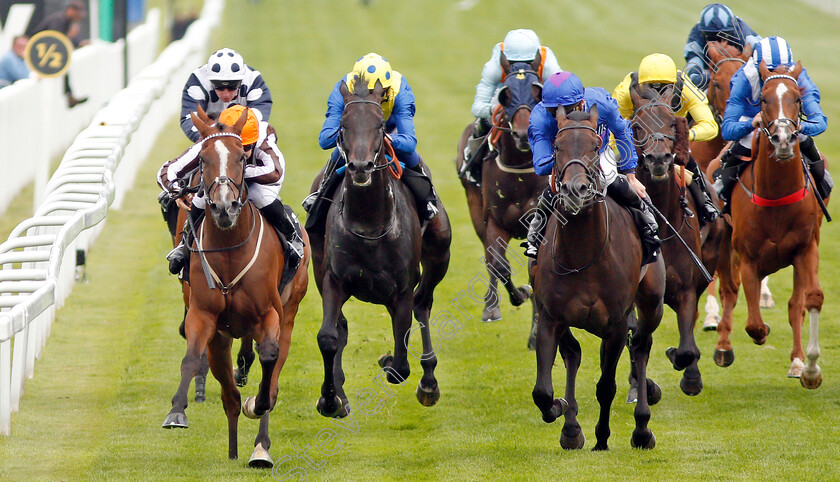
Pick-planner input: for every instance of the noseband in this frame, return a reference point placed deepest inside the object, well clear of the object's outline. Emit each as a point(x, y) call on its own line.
point(241, 187)
point(652, 136)
point(594, 179)
point(392, 164)
point(781, 122)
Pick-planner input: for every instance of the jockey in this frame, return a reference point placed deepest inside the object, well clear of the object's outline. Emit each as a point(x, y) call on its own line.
point(743, 116)
point(398, 110)
point(521, 45)
point(717, 23)
point(659, 71)
point(225, 80)
point(264, 173)
point(565, 89)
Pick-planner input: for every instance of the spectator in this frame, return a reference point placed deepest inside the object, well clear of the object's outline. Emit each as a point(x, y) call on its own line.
point(67, 22)
point(12, 65)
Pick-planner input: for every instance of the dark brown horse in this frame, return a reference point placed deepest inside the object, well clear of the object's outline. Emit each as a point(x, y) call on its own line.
point(661, 140)
point(244, 258)
point(373, 249)
point(775, 223)
point(509, 189)
point(590, 279)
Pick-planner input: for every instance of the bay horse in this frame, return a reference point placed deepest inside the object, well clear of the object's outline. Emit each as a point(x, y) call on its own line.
point(246, 261)
point(590, 279)
point(661, 140)
point(372, 249)
point(510, 188)
point(775, 223)
point(724, 60)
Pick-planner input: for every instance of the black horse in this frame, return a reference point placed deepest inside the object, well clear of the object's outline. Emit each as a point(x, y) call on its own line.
point(589, 278)
point(373, 249)
point(509, 188)
point(661, 140)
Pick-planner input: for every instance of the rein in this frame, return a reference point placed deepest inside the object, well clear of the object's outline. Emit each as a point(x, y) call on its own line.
point(711, 93)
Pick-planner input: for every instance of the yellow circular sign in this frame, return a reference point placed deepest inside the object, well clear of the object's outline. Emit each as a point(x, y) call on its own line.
point(48, 53)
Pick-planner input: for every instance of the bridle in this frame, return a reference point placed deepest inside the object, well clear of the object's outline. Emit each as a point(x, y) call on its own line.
point(596, 179)
point(241, 187)
point(392, 164)
point(782, 122)
point(712, 91)
point(500, 120)
point(653, 136)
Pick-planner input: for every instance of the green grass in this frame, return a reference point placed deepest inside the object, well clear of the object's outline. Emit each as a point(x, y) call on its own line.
point(104, 382)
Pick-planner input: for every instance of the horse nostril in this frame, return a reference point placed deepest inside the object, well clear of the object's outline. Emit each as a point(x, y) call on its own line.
point(774, 138)
point(369, 166)
point(351, 167)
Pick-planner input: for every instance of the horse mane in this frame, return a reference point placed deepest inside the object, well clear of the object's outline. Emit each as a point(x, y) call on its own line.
point(681, 141)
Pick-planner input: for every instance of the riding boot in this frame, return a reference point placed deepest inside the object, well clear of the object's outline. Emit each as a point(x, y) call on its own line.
point(816, 165)
point(275, 213)
point(421, 188)
point(624, 194)
point(536, 228)
point(179, 257)
point(474, 153)
point(730, 167)
point(699, 191)
point(318, 203)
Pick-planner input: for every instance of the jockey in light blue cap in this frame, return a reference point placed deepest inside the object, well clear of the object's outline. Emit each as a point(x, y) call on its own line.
point(743, 111)
point(565, 89)
point(717, 23)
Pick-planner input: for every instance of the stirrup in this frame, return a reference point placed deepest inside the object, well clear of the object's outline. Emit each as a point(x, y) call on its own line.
point(531, 250)
point(309, 200)
point(431, 211)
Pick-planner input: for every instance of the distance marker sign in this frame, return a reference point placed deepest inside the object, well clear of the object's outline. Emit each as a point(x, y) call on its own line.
point(48, 53)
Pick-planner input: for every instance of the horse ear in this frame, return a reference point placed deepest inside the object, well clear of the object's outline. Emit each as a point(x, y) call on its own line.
point(240, 123)
point(714, 51)
point(345, 91)
point(560, 115)
point(201, 122)
point(797, 69)
point(535, 64)
point(378, 90)
point(593, 116)
point(505, 63)
point(681, 141)
point(536, 91)
point(763, 71)
point(747, 52)
point(635, 96)
point(203, 115)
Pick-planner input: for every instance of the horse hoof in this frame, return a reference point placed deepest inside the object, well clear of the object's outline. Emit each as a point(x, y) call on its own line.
point(260, 458)
point(489, 316)
point(711, 323)
point(240, 378)
point(385, 360)
point(724, 358)
point(811, 382)
point(766, 301)
point(176, 420)
point(427, 396)
point(521, 295)
point(654, 392)
point(200, 386)
point(646, 440)
point(600, 447)
point(691, 386)
point(344, 410)
point(632, 395)
point(200, 397)
point(249, 408)
point(572, 443)
point(796, 367)
point(671, 353)
point(532, 343)
point(329, 410)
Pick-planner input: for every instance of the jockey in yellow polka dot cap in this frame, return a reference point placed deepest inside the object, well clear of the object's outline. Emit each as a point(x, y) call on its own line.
point(398, 110)
point(659, 72)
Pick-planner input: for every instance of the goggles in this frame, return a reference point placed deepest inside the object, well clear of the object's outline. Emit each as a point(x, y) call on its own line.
point(226, 84)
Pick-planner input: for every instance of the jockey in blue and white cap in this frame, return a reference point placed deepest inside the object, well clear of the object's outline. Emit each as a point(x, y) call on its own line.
point(520, 45)
point(717, 23)
point(743, 111)
point(565, 90)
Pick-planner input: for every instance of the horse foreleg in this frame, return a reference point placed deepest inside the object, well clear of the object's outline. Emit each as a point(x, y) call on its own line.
point(543, 393)
point(244, 360)
point(712, 308)
point(329, 342)
point(218, 352)
point(806, 287)
point(751, 282)
point(766, 295)
point(611, 348)
point(428, 392)
point(267, 336)
point(199, 327)
point(396, 365)
point(647, 391)
point(496, 247)
point(728, 282)
point(571, 438)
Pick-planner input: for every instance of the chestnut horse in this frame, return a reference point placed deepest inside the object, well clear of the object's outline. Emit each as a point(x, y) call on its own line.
point(373, 249)
point(724, 60)
point(509, 188)
point(775, 223)
point(244, 255)
point(589, 279)
point(661, 140)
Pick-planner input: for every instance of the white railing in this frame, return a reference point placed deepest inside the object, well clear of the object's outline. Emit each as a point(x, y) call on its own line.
point(39, 260)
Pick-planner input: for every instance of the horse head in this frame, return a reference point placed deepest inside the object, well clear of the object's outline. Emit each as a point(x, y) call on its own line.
point(660, 137)
point(522, 90)
point(576, 176)
point(222, 166)
point(724, 60)
point(781, 107)
point(361, 136)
